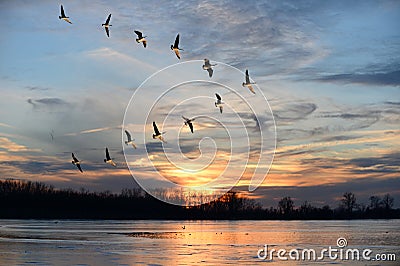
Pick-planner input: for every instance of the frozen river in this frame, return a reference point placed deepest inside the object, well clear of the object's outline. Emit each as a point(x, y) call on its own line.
point(165, 242)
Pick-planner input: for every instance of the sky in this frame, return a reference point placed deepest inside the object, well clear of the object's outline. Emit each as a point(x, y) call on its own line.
point(329, 72)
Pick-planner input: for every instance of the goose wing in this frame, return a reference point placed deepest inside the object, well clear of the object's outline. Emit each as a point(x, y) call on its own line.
point(206, 62)
point(128, 136)
point(210, 71)
point(220, 109)
point(107, 31)
point(139, 34)
point(185, 118)
point(107, 155)
point(155, 128)
point(176, 44)
point(218, 97)
point(177, 53)
point(190, 126)
point(251, 89)
point(247, 77)
point(62, 12)
point(74, 158)
point(79, 167)
point(108, 20)
point(144, 43)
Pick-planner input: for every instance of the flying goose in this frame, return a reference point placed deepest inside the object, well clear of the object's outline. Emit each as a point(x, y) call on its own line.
point(188, 122)
point(219, 102)
point(107, 25)
point(175, 47)
point(140, 38)
point(130, 140)
point(157, 134)
point(76, 162)
point(108, 159)
point(207, 66)
point(248, 83)
point(63, 16)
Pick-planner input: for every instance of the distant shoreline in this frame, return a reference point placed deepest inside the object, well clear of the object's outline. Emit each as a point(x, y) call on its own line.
point(34, 200)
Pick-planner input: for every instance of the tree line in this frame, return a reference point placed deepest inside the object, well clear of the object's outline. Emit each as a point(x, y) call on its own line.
point(35, 200)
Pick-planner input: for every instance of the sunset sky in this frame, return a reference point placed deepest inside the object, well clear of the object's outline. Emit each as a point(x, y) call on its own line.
point(330, 71)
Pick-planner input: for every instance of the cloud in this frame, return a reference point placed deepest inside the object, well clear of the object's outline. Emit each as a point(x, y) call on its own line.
point(49, 103)
point(388, 163)
point(320, 195)
point(290, 112)
point(11, 146)
point(93, 130)
point(6, 125)
point(389, 78)
point(37, 88)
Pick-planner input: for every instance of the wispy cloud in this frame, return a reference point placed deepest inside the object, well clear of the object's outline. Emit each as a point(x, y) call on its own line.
point(93, 130)
point(50, 103)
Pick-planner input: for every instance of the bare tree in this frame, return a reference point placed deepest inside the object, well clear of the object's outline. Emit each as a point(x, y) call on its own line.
point(375, 202)
point(349, 201)
point(387, 202)
point(286, 205)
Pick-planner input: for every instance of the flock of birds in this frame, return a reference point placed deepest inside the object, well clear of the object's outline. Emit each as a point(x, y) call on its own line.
point(187, 122)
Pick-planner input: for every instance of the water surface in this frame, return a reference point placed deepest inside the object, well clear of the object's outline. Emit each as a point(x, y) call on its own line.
point(159, 242)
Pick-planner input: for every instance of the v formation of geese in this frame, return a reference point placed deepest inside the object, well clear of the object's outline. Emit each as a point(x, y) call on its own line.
point(157, 134)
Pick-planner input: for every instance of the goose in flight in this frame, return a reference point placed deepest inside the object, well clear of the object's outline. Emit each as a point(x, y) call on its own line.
point(157, 134)
point(248, 83)
point(130, 140)
point(175, 47)
point(76, 162)
point(63, 16)
point(140, 38)
point(188, 122)
point(107, 25)
point(219, 102)
point(108, 159)
point(207, 66)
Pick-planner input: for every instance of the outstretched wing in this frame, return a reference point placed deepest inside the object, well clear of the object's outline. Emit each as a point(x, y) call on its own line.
point(191, 127)
point(220, 109)
point(176, 44)
point(155, 128)
point(218, 97)
point(206, 62)
point(177, 53)
point(107, 155)
point(128, 135)
point(108, 19)
point(210, 71)
point(139, 34)
point(144, 43)
point(251, 89)
point(107, 31)
point(247, 77)
point(74, 158)
point(62, 12)
point(133, 145)
point(79, 167)
point(185, 118)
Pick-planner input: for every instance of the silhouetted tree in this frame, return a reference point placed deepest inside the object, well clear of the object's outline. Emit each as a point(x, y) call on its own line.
point(349, 202)
point(387, 202)
point(286, 205)
point(375, 202)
